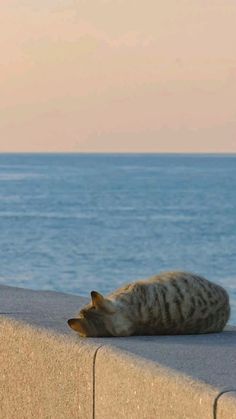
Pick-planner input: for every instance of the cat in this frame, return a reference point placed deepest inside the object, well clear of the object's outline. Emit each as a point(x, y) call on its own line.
point(171, 303)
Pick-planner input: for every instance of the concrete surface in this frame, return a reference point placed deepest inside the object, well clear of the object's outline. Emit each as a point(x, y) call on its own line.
point(225, 405)
point(43, 376)
point(147, 390)
point(47, 371)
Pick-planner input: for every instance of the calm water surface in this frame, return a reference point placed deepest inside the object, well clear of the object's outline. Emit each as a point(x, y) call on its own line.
point(79, 222)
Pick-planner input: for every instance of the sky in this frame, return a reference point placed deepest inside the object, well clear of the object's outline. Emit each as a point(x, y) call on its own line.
point(118, 76)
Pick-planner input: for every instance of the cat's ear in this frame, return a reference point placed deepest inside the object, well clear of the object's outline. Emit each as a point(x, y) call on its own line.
point(98, 301)
point(79, 325)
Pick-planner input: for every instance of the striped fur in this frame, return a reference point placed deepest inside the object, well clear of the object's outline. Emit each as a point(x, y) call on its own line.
point(169, 303)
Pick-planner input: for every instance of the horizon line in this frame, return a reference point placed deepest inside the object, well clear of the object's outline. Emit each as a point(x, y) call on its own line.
point(125, 152)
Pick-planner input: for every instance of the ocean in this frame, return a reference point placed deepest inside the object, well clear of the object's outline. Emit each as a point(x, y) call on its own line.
point(82, 222)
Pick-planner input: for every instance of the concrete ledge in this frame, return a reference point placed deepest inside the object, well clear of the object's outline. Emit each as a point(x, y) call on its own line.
point(47, 371)
point(44, 376)
point(225, 406)
point(147, 390)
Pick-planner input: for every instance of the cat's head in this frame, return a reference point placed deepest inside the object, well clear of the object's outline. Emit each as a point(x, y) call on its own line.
point(94, 319)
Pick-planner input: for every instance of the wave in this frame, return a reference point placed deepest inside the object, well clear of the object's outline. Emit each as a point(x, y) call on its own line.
point(128, 216)
point(141, 169)
point(9, 198)
point(45, 215)
point(19, 176)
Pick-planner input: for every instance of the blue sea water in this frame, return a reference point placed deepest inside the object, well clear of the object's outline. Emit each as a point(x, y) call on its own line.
point(77, 222)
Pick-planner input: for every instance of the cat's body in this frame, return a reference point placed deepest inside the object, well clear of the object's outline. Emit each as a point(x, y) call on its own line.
point(169, 303)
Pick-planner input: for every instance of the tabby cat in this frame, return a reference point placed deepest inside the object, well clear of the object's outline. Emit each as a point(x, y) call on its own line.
point(170, 303)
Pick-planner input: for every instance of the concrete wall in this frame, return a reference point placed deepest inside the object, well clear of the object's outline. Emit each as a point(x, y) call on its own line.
point(47, 371)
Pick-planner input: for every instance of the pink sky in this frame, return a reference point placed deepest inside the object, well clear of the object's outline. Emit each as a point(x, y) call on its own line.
point(118, 75)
